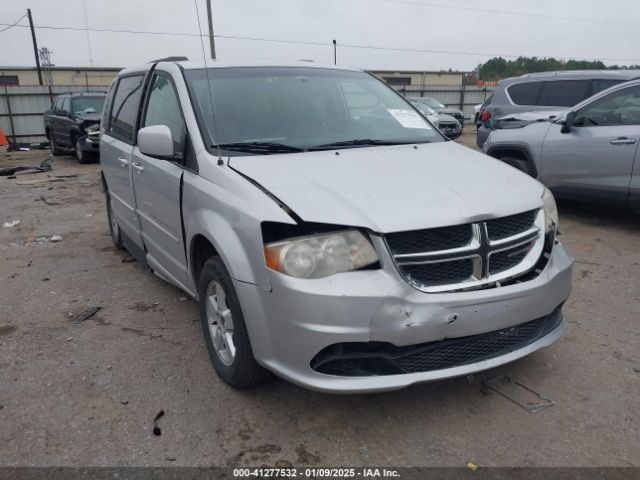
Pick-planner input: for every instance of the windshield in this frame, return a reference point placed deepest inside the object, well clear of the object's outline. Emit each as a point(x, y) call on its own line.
point(261, 110)
point(423, 108)
point(83, 105)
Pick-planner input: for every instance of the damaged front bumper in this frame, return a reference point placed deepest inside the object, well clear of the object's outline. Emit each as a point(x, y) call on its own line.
point(90, 142)
point(354, 332)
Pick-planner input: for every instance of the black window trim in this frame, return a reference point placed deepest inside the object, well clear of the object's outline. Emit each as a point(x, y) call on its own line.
point(145, 77)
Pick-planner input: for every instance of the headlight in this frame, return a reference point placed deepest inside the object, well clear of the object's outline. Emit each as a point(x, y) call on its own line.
point(550, 211)
point(320, 255)
point(92, 128)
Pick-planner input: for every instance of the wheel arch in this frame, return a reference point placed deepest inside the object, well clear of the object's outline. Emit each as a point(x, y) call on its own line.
point(227, 244)
point(514, 151)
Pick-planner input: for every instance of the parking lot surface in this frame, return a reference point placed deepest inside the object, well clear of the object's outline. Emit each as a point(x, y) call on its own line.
point(85, 394)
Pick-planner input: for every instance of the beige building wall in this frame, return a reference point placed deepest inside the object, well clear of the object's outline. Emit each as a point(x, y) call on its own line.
point(421, 78)
point(63, 76)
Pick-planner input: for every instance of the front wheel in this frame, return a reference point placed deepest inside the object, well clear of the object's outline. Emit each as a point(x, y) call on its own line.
point(224, 329)
point(518, 163)
point(81, 155)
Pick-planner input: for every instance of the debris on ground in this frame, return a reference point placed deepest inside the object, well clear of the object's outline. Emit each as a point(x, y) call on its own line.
point(48, 202)
point(88, 314)
point(45, 166)
point(472, 466)
point(156, 429)
point(508, 387)
point(10, 224)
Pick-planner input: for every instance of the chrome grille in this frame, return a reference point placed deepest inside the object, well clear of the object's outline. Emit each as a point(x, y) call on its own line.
point(470, 255)
point(430, 240)
point(511, 225)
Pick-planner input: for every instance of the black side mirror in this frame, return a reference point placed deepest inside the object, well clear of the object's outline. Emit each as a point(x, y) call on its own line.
point(568, 122)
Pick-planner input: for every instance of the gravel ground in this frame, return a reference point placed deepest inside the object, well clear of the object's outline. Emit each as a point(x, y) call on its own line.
point(83, 394)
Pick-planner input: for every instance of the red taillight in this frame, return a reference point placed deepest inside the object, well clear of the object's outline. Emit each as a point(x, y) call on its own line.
point(485, 116)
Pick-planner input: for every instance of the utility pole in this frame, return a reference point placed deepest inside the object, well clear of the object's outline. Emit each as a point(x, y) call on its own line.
point(335, 53)
point(211, 40)
point(35, 45)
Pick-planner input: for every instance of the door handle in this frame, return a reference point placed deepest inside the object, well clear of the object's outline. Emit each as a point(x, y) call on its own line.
point(138, 167)
point(623, 141)
point(123, 161)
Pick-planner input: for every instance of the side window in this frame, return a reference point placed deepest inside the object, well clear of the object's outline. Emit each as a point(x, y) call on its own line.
point(163, 108)
point(602, 84)
point(122, 122)
point(618, 108)
point(57, 104)
point(564, 93)
point(525, 93)
point(66, 105)
point(106, 111)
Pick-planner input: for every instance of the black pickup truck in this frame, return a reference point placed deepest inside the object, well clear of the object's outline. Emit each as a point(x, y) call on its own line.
point(73, 122)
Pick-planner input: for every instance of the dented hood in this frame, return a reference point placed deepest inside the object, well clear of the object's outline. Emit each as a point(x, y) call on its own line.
point(394, 188)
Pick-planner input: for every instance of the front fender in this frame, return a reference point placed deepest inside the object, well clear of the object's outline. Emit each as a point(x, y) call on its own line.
point(236, 244)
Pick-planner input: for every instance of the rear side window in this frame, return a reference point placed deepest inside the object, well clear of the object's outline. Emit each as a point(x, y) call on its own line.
point(525, 93)
point(124, 112)
point(106, 111)
point(602, 84)
point(564, 93)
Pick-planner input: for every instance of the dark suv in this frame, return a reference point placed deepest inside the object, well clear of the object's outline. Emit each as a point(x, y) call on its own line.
point(73, 122)
point(545, 91)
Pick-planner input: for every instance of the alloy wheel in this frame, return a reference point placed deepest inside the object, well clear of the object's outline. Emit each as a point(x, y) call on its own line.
point(220, 322)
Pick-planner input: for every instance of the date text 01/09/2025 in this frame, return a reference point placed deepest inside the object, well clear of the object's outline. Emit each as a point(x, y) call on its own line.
point(315, 473)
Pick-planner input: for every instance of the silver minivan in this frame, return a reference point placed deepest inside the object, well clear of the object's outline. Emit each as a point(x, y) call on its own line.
point(330, 234)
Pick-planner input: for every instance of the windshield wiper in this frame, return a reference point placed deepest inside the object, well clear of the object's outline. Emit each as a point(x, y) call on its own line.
point(264, 148)
point(361, 142)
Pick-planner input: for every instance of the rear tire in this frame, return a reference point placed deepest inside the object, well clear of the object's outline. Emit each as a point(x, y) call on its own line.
point(518, 163)
point(114, 228)
point(55, 150)
point(224, 328)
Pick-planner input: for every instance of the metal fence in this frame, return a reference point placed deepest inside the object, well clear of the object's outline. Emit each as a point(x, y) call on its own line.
point(21, 109)
point(463, 97)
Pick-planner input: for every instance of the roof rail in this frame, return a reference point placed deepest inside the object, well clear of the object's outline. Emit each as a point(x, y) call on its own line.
point(170, 59)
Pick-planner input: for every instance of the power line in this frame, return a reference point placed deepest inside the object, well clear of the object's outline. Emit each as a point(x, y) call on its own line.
point(324, 44)
point(13, 24)
point(109, 30)
point(511, 12)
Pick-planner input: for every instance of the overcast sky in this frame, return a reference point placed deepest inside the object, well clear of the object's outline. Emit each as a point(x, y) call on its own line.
point(592, 29)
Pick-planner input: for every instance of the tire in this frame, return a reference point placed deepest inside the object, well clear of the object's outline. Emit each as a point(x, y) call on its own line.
point(224, 329)
point(81, 156)
point(55, 150)
point(518, 163)
point(114, 228)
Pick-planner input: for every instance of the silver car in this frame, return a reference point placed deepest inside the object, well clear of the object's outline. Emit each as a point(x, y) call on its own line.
point(544, 91)
point(330, 234)
point(589, 152)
